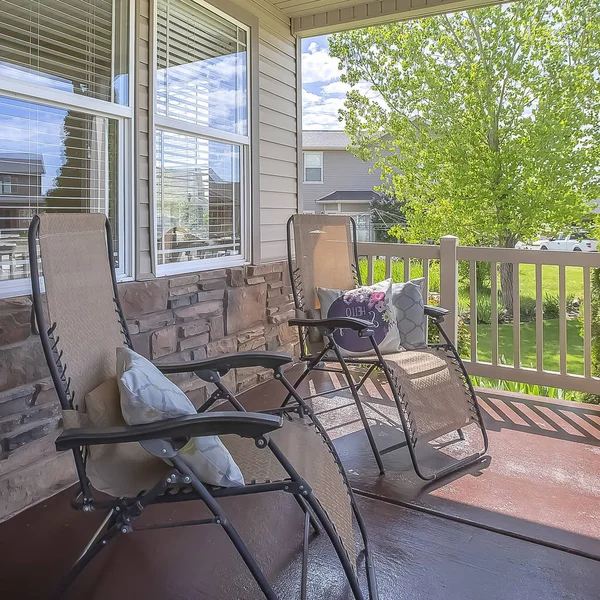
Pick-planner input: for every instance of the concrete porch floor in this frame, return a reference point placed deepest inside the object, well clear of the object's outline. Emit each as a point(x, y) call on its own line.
point(540, 482)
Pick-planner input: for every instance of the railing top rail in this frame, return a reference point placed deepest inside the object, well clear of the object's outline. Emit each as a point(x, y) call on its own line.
point(398, 250)
point(529, 257)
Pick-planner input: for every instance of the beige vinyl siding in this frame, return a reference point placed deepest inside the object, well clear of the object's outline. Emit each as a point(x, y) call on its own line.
point(142, 141)
point(278, 138)
point(342, 171)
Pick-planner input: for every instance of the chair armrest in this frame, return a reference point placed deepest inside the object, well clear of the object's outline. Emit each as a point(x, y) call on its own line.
point(223, 364)
point(244, 424)
point(335, 323)
point(436, 312)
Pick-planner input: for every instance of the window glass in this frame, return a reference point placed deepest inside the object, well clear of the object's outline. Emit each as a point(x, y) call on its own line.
point(77, 46)
point(51, 159)
point(201, 67)
point(198, 198)
point(313, 166)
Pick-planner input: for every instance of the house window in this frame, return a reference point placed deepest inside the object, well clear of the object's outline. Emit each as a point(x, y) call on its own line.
point(64, 120)
point(313, 167)
point(202, 137)
point(5, 184)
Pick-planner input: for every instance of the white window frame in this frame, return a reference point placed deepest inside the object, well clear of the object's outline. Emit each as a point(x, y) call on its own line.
point(304, 167)
point(6, 185)
point(40, 94)
point(172, 125)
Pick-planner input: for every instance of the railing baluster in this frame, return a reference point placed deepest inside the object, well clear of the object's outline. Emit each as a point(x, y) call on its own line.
point(562, 319)
point(516, 318)
point(406, 268)
point(426, 292)
point(388, 267)
point(587, 323)
point(473, 308)
point(539, 319)
point(370, 260)
point(494, 319)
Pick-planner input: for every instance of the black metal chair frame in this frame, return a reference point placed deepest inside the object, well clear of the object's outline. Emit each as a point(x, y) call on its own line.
point(319, 362)
point(164, 439)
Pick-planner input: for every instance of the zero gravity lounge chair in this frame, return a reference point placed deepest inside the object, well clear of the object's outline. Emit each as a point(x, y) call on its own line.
point(81, 324)
point(432, 395)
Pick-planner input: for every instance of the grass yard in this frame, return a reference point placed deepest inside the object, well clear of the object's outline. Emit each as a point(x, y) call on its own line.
point(573, 277)
point(528, 345)
point(416, 271)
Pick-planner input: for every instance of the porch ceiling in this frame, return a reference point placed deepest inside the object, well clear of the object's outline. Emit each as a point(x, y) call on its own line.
point(315, 17)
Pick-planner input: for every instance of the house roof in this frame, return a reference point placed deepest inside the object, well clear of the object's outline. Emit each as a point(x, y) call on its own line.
point(22, 162)
point(350, 196)
point(324, 139)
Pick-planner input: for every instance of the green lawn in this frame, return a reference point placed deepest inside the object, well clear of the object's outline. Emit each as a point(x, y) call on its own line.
point(573, 277)
point(528, 345)
point(416, 270)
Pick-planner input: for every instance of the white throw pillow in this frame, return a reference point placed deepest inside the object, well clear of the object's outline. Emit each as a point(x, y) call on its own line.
point(148, 396)
point(371, 303)
point(407, 299)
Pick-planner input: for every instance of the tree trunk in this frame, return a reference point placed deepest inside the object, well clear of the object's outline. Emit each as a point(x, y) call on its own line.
point(506, 277)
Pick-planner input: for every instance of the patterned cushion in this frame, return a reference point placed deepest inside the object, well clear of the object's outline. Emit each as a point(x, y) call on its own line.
point(148, 396)
point(407, 299)
point(372, 303)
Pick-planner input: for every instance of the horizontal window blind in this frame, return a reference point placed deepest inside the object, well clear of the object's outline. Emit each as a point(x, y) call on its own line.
point(198, 198)
point(51, 159)
point(67, 45)
point(201, 67)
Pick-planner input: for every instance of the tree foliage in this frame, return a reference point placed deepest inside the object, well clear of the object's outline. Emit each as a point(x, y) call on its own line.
point(486, 122)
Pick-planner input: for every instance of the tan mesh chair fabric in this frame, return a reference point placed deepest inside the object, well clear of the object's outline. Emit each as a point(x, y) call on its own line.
point(433, 392)
point(324, 255)
point(309, 454)
point(79, 295)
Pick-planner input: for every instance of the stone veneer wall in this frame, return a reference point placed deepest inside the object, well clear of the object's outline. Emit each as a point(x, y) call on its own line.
point(176, 319)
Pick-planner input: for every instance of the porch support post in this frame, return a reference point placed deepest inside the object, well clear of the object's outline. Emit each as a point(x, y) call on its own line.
point(449, 283)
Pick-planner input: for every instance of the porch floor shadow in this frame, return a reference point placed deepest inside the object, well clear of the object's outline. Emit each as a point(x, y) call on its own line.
point(540, 479)
point(538, 483)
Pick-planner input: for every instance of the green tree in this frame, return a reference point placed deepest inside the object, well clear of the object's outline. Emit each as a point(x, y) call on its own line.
point(491, 116)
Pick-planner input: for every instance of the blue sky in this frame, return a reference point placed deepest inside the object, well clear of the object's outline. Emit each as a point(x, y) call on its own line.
point(323, 93)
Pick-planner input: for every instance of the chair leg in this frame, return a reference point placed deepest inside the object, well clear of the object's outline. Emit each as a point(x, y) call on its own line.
point(313, 521)
point(361, 410)
point(461, 434)
point(94, 547)
point(229, 529)
point(339, 549)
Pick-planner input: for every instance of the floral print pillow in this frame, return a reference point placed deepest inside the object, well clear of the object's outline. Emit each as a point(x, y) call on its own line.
point(371, 303)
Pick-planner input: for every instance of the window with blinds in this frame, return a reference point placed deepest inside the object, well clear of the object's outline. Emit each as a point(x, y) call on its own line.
point(202, 134)
point(77, 46)
point(201, 67)
point(56, 152)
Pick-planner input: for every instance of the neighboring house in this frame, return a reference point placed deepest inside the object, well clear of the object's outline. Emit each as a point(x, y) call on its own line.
point(335, 181)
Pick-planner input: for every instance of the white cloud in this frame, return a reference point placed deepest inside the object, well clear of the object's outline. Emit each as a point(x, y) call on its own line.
point(318, 66)
point(321, 112)
point(336, 88)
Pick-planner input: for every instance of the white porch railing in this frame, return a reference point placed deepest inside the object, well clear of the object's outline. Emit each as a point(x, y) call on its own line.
point(400, 260)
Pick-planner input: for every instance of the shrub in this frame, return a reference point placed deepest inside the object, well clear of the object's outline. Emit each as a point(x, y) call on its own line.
point(484, 311)
point(551, 306)
point(529, 389)
point(482, 271)
point(595, 313)
point(527, 307)
point(463, 342)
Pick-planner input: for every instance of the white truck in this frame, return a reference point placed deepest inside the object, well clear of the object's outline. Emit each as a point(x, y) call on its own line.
point(572, 242)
